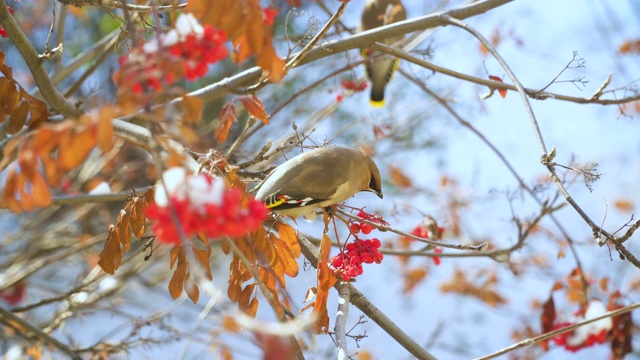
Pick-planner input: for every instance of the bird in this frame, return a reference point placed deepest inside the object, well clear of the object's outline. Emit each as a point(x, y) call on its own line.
point(378, 13)
point(318, 178)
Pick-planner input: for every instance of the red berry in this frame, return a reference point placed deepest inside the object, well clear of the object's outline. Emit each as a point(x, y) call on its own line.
point(354, 228)
point(366, 228)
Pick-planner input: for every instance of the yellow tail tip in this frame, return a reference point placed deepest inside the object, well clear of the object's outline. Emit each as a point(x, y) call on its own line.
point(377, 103)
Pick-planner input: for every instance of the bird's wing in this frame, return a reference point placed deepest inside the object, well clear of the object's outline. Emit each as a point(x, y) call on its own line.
point(311, 186)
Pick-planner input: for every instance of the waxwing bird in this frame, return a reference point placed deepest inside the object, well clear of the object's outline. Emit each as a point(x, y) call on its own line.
point(378, 13)
point(319, 178)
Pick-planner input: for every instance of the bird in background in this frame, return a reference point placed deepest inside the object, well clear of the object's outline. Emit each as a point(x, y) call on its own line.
point(378, 13)
point(319, 178)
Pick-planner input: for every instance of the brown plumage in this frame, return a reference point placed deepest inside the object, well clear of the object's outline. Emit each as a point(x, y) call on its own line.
point(378, 13)
point(319, 178)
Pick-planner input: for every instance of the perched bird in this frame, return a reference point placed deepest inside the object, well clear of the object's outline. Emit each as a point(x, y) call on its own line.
point(319, 178)
point(378, 13)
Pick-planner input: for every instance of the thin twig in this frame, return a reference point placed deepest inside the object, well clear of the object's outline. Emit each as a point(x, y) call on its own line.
point(552, 334)
point(29, 331)
point(547, 157)
point(35, 63)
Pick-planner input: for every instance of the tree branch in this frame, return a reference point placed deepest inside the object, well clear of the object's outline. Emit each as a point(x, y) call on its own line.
point(361, 302)
point(35, 64)
point(344, 294)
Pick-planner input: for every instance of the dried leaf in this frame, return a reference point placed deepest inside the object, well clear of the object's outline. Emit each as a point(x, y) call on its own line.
point(227, 117)
point(288, 235)
point(9, 97)
point(254, 106)
point(459, 284)
point(193, 106)
point(18, 118)
point(398, 177)
point(286, 258)
point(501, 91)
point(630, 46)
point(412, 278)
point(326, 279)
point(105, 128)
point(624, 205)
point(193, 292)
point(76, 148)
point(111, 255)
point(41, 192)
point(176, 284)
point(547, 318)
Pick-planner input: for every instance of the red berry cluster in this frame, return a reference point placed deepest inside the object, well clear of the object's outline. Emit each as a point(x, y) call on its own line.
point(355, 86)
point(188, 55)
point(424, 231)
point(591, 340)
point(348, 264)
point(3, 32)
point(233, 214)
point(198, 51)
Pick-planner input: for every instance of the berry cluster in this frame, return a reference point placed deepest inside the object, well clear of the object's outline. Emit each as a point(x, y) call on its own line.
point(202, 205)
point(587, 335)
point(185, 50)
point(348, 264)
point(3, 32)
point(426, 230)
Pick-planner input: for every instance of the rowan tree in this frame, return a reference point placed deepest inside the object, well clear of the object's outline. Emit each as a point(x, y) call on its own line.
point(132, 137)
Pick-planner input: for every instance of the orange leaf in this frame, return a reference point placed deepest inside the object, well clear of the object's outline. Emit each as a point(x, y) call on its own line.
point(176, 284)
point(503, 92)
point(137, 215)
point(412, 278)
point(326, 279)
point(459, 284)
point(193, 292)
point(76, 149)
point(288, 235)
point(203, 259)
point(287, 260)
point(269, 61)
point(48, 137)
point(50, 170)
point(41, 192)
point(18, 118)
point(623, 205)
point(193, 106)
point(255, 107)
point(630, 46)
point(105, 129)
point(9, 97)
point(398, 177)
point(227, 117)
point(111, 255)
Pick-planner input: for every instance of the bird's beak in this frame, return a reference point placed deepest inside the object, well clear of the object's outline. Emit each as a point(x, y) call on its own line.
point(378, 193)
